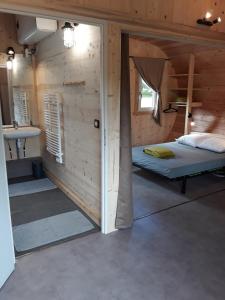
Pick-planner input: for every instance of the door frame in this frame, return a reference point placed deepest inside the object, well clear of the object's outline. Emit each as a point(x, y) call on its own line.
point(103, 95)
point(109, 190)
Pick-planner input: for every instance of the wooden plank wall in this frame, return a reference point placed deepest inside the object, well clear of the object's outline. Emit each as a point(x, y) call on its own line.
point(211, 116)
point(8, 33)
point(183, 12)
point(113, 47)
point(58, 70)
point(144, 129)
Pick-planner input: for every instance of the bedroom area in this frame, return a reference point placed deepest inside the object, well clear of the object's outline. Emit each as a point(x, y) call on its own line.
point(177, 122)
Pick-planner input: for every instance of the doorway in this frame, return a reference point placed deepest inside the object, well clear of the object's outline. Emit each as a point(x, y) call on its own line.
point(54, 173)
point(153, 189)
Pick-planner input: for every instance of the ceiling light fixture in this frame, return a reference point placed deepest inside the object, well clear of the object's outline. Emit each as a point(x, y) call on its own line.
point(206, 20)
point(208, 15)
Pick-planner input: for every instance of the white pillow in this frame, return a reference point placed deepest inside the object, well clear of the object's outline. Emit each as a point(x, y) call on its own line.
point(206, 134)
point(216, 144)
point(192, 139)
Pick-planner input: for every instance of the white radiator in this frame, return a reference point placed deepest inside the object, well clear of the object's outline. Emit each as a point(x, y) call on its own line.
point(21, 106)
point(52, 117)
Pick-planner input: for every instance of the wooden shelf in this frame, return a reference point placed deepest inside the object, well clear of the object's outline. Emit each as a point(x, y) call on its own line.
point(196, 104)
point(182, 75)
point(76, 83)
point(186, 89)
point(184, 104)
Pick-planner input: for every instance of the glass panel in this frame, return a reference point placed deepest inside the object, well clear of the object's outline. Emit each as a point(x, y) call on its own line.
point(147, 96)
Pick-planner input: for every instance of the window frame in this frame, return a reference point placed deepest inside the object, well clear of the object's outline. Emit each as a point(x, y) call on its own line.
point(137, 107)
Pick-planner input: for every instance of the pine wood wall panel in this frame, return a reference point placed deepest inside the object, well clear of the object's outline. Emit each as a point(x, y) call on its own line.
point(113, 122)
point(210, 66)
point(8, 35)
point(56, 65)
point(168, 14)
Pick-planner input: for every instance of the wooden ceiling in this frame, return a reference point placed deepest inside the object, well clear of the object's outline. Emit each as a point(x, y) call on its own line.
point(174, 48)
point(206, 57)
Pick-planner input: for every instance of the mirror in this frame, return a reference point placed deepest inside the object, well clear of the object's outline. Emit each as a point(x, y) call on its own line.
point(4, 97)
point(16, 91)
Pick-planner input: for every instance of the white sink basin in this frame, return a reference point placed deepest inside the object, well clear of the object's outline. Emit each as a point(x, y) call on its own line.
point(21, 132)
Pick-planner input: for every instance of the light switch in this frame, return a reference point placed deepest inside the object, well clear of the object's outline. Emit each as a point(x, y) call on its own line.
point(96, 123)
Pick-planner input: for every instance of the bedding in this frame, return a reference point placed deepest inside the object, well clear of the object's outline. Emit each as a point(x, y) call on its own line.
point(188, 160)
point(208, 141)
point(213, 144)
point(193, 139)
point(160, 152)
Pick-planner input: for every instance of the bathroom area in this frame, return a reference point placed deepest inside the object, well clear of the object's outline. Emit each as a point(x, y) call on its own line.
point(50, 103)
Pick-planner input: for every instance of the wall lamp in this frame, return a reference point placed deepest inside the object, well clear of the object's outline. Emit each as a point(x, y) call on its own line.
point(10, 52)
point(11, 55)
point(191, 119)
point(68, 34)
point(206, 20)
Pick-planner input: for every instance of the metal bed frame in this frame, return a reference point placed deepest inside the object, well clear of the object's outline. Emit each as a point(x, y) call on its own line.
point(183, 179)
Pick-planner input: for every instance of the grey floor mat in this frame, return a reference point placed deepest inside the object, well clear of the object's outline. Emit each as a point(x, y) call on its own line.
point(30, 187)
point(29, 208)
point(48, 230)
point(44, 205)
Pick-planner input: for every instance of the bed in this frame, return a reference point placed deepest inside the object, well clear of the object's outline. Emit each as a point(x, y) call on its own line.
point(188, 161)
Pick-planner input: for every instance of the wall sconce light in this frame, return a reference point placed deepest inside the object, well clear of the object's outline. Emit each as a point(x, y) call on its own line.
point(68, 34)
point(192, 122)
point(11, 55)
point(9, 64)
point(206, 20)
point(11, 52)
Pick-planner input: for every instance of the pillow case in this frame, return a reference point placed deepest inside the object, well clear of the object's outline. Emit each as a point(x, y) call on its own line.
point(206, 134)
point(208, 141)
point(192, 139)
point(215, 144)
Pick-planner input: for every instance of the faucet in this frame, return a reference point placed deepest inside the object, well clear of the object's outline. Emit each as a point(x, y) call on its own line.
point(15, 124)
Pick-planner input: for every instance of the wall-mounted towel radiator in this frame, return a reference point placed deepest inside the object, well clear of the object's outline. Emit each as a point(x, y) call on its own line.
point(53, 131)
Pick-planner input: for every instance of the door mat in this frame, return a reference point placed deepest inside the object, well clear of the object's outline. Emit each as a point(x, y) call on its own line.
point(45, 231)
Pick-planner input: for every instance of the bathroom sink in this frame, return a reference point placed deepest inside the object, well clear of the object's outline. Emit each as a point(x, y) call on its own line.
point(21, 132)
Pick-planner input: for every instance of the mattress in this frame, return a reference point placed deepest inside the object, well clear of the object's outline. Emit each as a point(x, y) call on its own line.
point(187, 161)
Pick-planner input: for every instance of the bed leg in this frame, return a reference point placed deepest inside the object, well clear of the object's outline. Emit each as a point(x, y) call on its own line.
point(184, 184)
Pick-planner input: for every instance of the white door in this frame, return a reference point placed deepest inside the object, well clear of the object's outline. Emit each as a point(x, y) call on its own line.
point(7, 255)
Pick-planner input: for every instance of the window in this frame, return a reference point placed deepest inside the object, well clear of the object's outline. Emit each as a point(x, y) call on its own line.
point(146, 97)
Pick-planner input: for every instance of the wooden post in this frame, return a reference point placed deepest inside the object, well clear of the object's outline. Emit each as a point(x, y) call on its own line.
point(189, 93)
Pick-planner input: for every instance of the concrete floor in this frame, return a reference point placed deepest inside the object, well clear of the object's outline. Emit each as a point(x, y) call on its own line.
point(178, 254)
